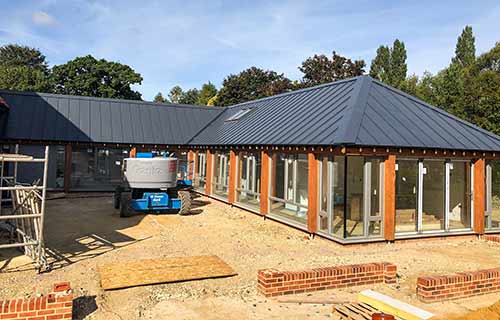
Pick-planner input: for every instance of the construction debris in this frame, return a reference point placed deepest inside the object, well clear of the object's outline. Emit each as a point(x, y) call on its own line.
point(145, 272)
point(393, 306)
point(353, 311)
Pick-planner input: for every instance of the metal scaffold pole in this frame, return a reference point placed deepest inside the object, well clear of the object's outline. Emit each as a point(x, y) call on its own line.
point(25, 218)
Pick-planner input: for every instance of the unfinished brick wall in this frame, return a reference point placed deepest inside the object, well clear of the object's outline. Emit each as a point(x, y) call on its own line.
point(492, 237)
point(272, 282)
point(459, 285)
point(58, 304)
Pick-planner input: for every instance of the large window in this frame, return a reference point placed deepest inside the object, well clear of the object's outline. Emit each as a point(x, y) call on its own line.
point(363, 200)
point(406, 195)
point(289, 194)
point(332, 193)
point(351, 196)
point(96, 168)
point(200, 176)
point(493, 195)
point(433, 195)
point(220, 181)
point(248, 178)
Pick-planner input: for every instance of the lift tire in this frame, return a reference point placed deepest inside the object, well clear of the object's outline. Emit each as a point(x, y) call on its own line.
point(125, 198)
point(117, 198)
point(185, 197)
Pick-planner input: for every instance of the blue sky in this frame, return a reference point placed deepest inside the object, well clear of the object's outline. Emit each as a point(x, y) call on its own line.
point(191, 42)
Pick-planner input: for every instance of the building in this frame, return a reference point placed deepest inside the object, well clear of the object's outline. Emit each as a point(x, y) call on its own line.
point(354, 160)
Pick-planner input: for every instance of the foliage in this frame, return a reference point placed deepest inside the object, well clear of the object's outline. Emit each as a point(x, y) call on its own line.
point(208, 91)
point(250, 84)
point(465, 51)
point(14, 55)
point(23, 78)
point(212, 101)
point(389, 64)
point(175, 94)
point(159, 98)
point(87, 76)
point(190, 96)
point(320, 69)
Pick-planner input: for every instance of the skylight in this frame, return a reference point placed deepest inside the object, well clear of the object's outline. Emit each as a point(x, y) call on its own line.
point(238, 115)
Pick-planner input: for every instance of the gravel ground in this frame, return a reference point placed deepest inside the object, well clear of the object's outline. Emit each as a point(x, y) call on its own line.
point(82, 233)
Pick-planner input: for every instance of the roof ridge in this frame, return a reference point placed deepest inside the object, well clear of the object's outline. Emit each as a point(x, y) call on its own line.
point(319, 86)
point(206, 126)
point(69, 96)
point(359, 95)
point(436, 109)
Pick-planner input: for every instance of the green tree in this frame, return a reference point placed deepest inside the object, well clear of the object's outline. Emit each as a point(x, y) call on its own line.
point(14, 55)
point(208, 90)
point(465, 50)
point(250, 84)
point(389, 64)
point(159, 98)
point(320, 69)
point(175, 94)
point(87, 76)
point(22, 78)
point(190, 97)
point(481, 98)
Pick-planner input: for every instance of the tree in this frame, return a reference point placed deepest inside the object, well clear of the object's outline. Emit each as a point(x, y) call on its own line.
point(23, 78)
point(398, 67)
point(175, 94)
point(481, 98)
point(13, 55)
point(250, 84)
point(190, 96)
point(208, 90)
point(389, 64)
point(87, 76)
point(320, 69)
point(159, 98)
point(465, 50)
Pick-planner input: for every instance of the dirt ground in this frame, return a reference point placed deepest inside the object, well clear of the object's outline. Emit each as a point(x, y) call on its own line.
point(82, 233)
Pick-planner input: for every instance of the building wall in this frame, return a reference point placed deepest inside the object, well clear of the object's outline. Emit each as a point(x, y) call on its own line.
point(380, 219)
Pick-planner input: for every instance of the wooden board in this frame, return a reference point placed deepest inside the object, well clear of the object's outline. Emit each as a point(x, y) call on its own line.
point(393, 306)
point(353, 311)
point(143, 272)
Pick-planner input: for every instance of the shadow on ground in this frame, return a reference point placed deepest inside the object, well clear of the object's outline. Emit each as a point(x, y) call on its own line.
point(80, 228)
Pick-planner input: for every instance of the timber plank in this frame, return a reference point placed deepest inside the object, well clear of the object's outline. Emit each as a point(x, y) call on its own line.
point(119, 275)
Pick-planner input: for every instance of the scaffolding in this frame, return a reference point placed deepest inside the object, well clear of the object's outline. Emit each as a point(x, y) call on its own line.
point(23, 220)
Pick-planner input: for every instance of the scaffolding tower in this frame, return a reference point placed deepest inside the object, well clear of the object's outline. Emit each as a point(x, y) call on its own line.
point(23, 219)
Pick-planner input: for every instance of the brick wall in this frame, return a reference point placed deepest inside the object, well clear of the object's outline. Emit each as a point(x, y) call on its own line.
point(492, 237)
point(459, 285)
point(58, 304)
point(272, 282)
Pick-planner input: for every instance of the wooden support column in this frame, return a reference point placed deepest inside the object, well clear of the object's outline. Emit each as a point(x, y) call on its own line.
point(389, 197)
point(313, 189)
point(232, 177)
point(190, 166)
point(67, 168)
point(133, 152)
point(479, 195)
point(264, 183)
point(208, 171)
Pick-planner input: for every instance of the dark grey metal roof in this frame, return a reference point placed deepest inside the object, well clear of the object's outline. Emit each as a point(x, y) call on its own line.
point(60, 118)
point(360, 111)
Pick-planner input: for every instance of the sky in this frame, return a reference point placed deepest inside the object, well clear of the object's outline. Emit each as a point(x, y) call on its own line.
point(188, 43)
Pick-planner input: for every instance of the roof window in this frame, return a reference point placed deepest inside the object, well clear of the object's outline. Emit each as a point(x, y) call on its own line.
point(238, 115)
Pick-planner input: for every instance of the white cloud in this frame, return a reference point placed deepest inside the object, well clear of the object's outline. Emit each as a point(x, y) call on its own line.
point(43, 19)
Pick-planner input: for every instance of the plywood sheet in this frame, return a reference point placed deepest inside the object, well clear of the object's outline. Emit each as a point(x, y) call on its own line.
point(152, 271)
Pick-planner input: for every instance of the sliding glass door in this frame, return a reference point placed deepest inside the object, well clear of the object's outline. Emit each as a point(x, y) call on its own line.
point(493, 195)
point(350, 196)
point(248, 178)
point(433, 195)
point(221, 174)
